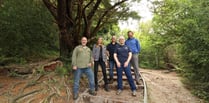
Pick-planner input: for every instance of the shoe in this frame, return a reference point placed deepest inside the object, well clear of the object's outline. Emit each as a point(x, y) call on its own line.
point(134, 93)
point(118, 92)
point(96, 88)
point(106, 88)
point(75, 96)
point(92, 92)
point(137, 82)
point(111, 81)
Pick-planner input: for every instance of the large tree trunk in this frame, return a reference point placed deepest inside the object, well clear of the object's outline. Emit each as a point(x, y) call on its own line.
point(66, 42)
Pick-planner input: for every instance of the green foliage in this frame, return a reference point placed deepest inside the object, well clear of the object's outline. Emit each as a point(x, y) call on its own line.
point(185, 23)
point(26, 31)
point(61, 71)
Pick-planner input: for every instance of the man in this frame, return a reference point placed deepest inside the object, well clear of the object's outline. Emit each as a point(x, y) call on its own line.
point(81, 62)
point(111, 48)
point(134, 45)
point(122, 56)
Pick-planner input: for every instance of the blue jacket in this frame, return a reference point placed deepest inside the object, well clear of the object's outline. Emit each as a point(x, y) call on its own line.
point(133, 44)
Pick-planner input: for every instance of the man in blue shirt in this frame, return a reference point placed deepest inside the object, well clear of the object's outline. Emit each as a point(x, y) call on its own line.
point(134, 45)
point(122, 56)
point(111, 48)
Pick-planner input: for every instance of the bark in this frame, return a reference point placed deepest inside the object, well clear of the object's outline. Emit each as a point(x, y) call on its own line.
point(66, 45)
point(74, 20)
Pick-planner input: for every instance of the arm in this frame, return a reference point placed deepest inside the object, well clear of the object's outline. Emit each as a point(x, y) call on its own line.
point(93, 51)
point(138, 45)
point(74, 59)
point(116, 60)
point(91, 59)
point(107, 51)
point(129, 57)
point(128, 60)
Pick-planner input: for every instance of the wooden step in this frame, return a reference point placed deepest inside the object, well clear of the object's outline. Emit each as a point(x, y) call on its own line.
point(115, 73)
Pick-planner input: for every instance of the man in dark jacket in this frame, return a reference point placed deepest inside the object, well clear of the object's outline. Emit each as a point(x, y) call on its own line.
point(122, 58)
point(111, 48)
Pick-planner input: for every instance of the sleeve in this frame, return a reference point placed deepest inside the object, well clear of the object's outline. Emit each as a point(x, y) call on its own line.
point(91, 58)
point(108, 47)
point(129, 50)
point(93, 51)
point(116, 50)
point(138, 45)
point(126, 42)
point(74, 57)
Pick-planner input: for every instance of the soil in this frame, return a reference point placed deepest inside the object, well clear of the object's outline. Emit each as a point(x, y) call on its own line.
point(163, 87)
point(166, 87)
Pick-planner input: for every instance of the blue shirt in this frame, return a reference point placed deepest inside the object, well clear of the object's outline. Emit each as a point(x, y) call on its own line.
point(111, 48)
point(133, 44)
point(122, 52)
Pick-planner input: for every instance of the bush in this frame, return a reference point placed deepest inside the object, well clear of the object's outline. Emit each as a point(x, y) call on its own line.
point(26, 31)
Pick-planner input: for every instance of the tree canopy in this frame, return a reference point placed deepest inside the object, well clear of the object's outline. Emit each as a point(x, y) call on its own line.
point(77, 18)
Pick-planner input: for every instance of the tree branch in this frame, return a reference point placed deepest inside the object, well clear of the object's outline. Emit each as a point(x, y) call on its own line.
point(105, 14)
point(51, 7)
point(93, 11)
point(84, 14)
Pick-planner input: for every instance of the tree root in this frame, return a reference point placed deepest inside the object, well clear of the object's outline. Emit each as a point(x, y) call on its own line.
point(14, 100)
point(49, 98)
point(30, 83)
point(67, 90)
point(31, 100)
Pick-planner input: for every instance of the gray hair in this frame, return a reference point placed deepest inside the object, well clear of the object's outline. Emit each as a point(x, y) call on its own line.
point(121, 37)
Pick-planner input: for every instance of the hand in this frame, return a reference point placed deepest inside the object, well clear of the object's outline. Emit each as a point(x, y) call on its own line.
point(89, 65)
point(118, 64)
point(126, 64)
point(74, 67)
point(106, 64)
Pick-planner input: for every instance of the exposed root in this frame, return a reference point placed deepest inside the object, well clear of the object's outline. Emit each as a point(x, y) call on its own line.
point(14, 100)
point(13, 86)
point(49, 98)
point(67, 90)
point(30, 83)
point(30, 100)
point(57, 91)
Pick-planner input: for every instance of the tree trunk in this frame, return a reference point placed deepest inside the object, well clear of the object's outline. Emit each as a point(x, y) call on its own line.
point(66, 41)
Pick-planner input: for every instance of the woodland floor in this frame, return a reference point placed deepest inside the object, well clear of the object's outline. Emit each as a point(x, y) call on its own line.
point(166, 87)
point(163, 87)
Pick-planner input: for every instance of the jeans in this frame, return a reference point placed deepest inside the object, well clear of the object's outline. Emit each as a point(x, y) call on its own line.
point(103, 66)
point(127, 71)
point(77, 75)
point(111, 64)
point(135, 63)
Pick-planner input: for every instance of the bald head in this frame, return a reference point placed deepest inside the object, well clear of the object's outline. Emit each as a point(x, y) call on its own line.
point(113, 39)
point(122, 40)
point(83, 41)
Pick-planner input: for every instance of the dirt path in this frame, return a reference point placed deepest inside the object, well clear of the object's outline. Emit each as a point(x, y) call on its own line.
point(164, 87)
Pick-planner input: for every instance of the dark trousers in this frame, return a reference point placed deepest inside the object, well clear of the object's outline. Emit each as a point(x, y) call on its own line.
point(127, 71)
point(103, 66)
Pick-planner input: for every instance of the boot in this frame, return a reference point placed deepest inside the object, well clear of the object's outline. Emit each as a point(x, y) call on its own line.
point(75, 96)
point(106, 87)
point(111, 81)
point(96, 87)
point(92, 92)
